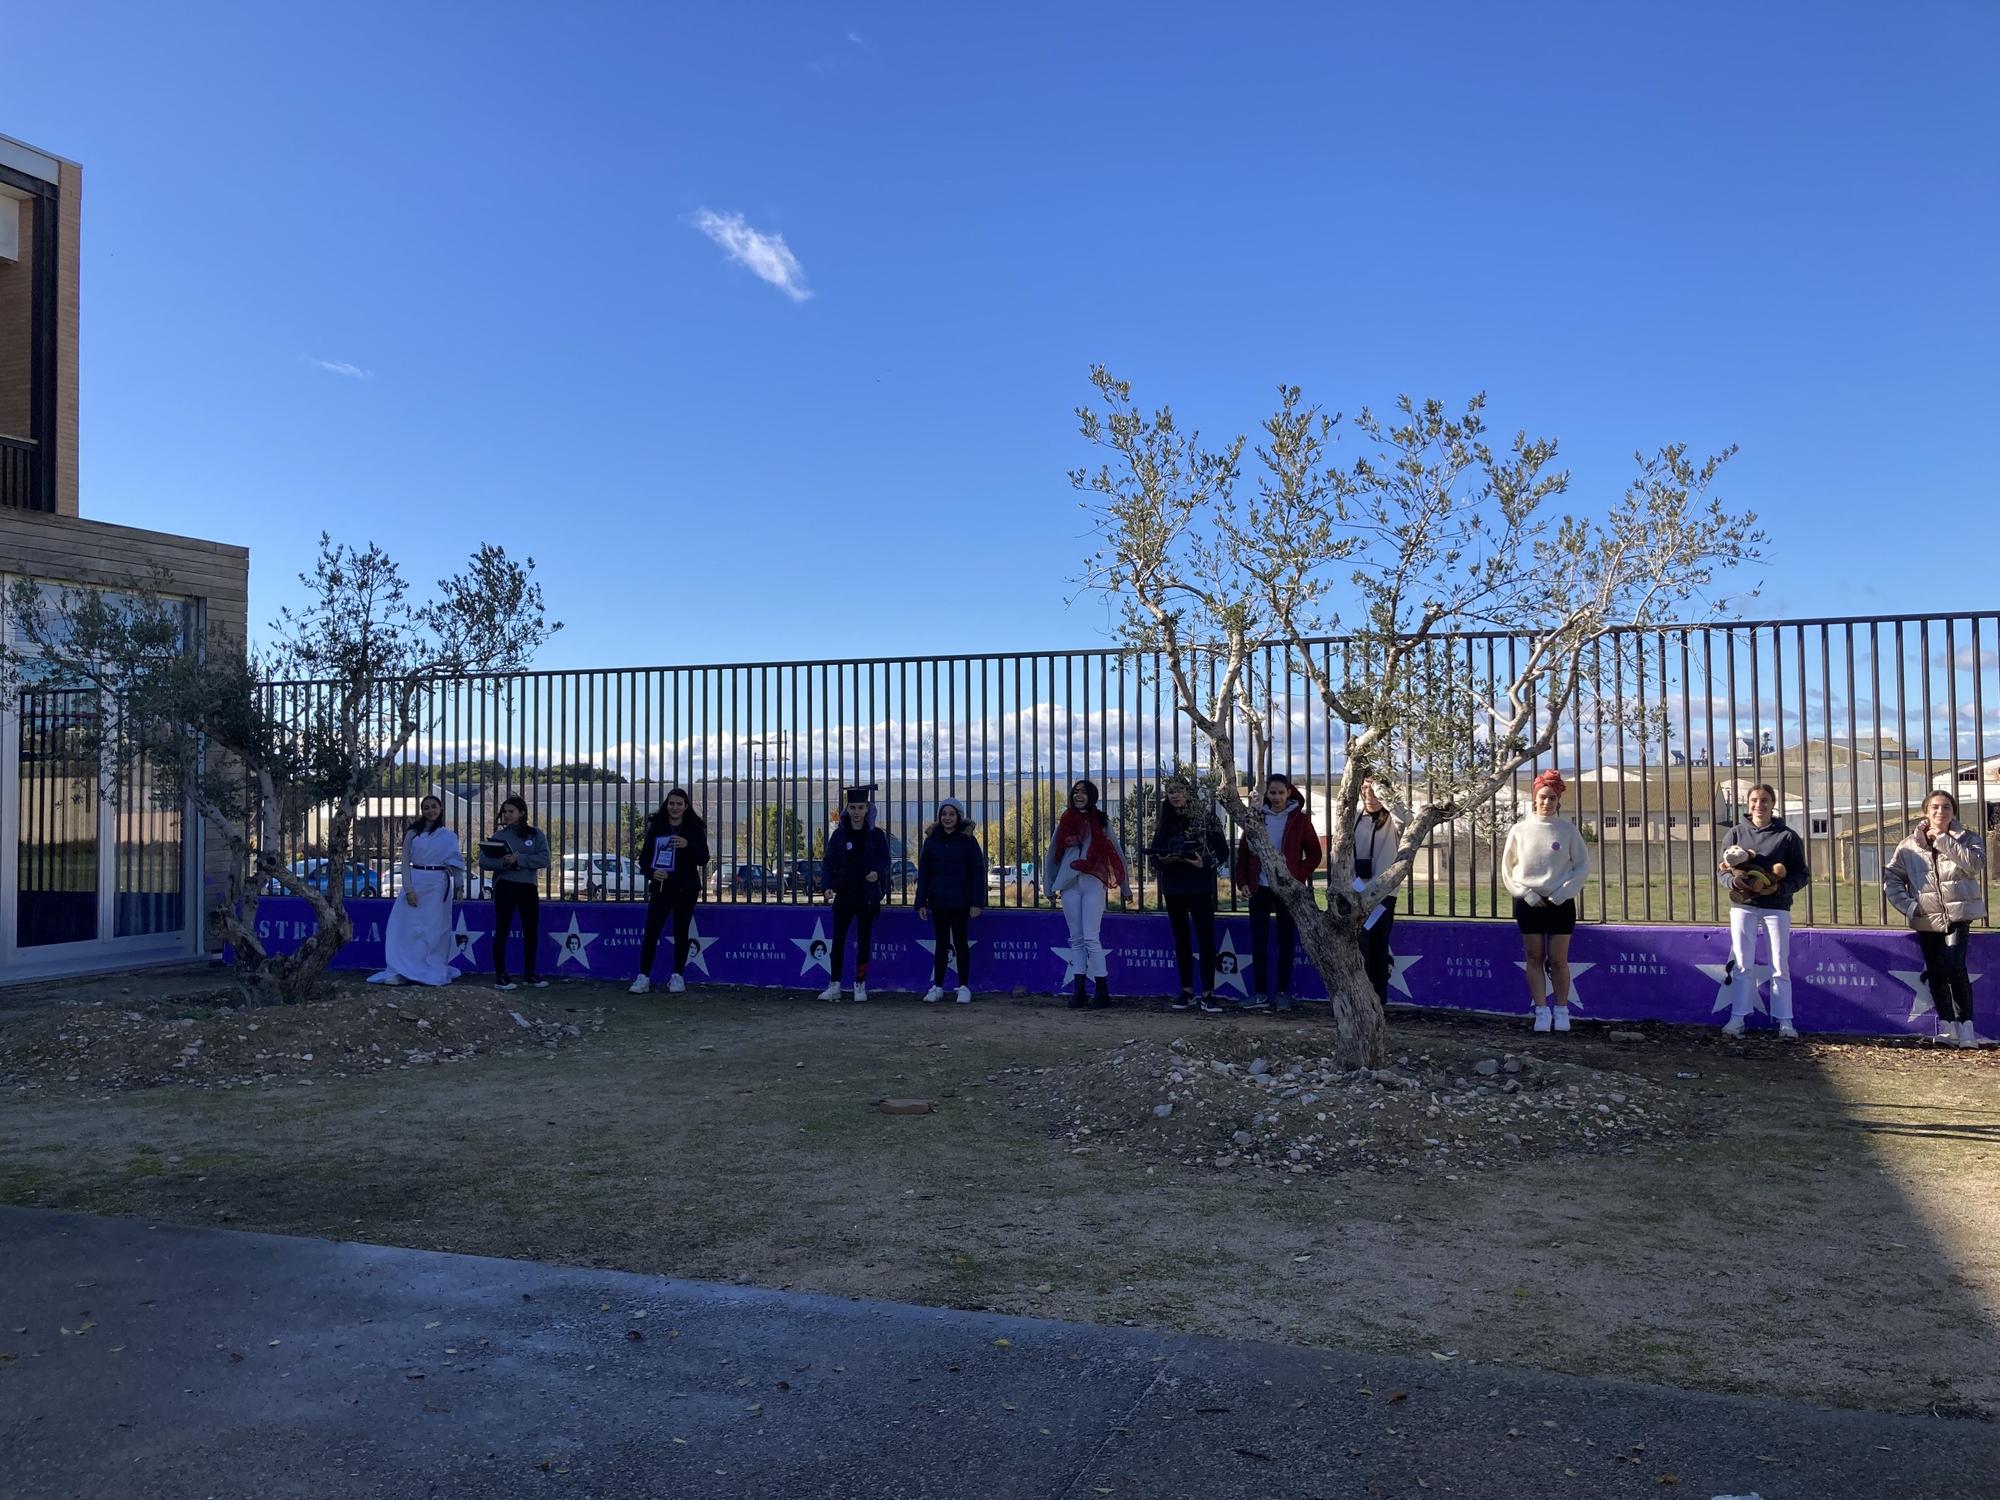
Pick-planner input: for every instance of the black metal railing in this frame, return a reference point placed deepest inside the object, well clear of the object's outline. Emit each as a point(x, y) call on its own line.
point(1852, 721)
point(21, 485)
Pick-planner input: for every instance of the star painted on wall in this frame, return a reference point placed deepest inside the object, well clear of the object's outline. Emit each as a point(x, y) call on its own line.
point(463, 939)
point(929, 945)
point(1402, 963)
point(1072, 961)
point(816, 949)
point(1725, 987)
point(1576, 971)
point(698, 946)
point(1229, 973)
point(573, 943)
point(1921, 1002)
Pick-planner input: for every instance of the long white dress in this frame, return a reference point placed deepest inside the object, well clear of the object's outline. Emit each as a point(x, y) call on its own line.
point(417, 947)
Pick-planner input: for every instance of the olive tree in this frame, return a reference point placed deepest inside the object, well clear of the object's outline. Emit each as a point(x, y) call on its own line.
point(1420, 526)
point(365, 658)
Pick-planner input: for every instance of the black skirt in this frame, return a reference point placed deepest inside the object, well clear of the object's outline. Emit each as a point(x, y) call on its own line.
point(1549, 921)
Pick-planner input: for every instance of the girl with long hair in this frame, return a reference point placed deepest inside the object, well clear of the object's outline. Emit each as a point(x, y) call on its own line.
point(417, 946)
point(1083, 864)
point(672, 852)
point(1291, 832)
point(1544, 866)
point(513, 856)
point(1937, 880)
point(951, 891)
point(1187, 851)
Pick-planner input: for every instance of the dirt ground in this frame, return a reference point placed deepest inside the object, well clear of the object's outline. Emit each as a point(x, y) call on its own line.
point(1820, 1221)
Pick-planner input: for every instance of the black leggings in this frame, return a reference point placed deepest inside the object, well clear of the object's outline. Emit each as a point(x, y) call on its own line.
point(1193, 919)
point(1375, 949)
point(667, 901)
point(1944, 968)
point(512, 898)
point(1264, 904)
point(951, 928)
point(863, 918)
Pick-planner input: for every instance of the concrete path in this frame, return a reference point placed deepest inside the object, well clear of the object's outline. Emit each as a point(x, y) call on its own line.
point(166, 1363)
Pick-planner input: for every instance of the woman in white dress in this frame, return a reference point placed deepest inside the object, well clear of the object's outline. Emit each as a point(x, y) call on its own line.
point(417, 948)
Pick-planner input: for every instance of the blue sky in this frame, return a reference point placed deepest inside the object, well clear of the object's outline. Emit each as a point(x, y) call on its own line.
point(433, 274)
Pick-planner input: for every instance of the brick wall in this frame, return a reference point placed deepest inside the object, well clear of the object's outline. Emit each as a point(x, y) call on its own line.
point(69, 290)
point(17, 280)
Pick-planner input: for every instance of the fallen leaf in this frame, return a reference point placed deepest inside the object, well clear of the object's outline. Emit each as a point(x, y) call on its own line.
point(236, 1356)
point(633, 1335)
point(433, 1324)
point(682, 1441)
point(1395, 1396)
point(640, 1313)
point(1003, 1343)
point(1262, 1458)
point(1452, 1354)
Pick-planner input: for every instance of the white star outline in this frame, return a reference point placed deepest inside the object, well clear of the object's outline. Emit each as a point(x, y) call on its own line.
point(698, 947)
point(1072, 969)
point(1576, 972)
point(1725, 988)
point(823, 960)
point(462, 940)
point(1231, 977)
point(929, 945)
point(1922, 1003)
point(573, 943)
point(1402, 964)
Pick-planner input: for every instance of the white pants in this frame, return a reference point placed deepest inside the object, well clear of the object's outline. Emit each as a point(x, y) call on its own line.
point(419, 942)
point(1083, 909)
point(1743, 924)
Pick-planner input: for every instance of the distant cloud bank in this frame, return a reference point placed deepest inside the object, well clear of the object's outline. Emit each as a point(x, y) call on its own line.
point(765, 256)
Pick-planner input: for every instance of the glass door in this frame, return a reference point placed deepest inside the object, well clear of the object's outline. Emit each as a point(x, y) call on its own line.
point(58, 804)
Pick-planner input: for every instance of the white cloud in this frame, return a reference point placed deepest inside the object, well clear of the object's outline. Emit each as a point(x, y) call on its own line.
point(340, 367)
point(765, 256)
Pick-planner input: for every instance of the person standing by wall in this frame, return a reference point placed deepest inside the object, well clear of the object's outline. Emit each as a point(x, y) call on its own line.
point(1293, 835)
point(514, 856)
point(855, 874)
point(1378, 833)
point(1764, 867)
point(417, 948)
point(951, 891)
point(1544, 866)
point(1937, 880)
point(671, 852)
point(1187, 852)
point(1082, 866)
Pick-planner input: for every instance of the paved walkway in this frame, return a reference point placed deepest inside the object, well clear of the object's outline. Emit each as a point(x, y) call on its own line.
point(167, 1363)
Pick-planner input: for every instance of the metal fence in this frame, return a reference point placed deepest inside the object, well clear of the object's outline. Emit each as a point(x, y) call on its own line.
point(1853, 722)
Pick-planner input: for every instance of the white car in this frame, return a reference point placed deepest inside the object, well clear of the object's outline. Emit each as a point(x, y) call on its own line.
point(600, 877)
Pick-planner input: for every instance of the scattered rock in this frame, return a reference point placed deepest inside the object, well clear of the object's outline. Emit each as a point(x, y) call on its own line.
point(1627, 1036)
point(1258, 1067)
point(905, 1106)
point(1486, 1067)
point(1162, 1111)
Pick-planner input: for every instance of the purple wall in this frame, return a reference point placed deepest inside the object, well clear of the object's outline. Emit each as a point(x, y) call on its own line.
point(1843, 980)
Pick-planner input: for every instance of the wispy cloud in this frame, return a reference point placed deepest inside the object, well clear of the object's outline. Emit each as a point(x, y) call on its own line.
point(765, 256)
point(339, 367)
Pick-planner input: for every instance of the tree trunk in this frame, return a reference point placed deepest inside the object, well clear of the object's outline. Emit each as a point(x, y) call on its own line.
point(1333, 943)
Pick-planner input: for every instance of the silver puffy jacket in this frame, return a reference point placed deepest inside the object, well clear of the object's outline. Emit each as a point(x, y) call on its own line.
point(1936, 885)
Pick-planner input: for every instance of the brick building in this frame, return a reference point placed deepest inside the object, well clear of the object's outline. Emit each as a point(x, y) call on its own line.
point(94, 872)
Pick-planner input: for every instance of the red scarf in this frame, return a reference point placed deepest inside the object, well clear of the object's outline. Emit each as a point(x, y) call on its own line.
point(1103, 860)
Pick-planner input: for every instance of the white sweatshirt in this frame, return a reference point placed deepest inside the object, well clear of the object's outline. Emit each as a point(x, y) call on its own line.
point(1545, 856)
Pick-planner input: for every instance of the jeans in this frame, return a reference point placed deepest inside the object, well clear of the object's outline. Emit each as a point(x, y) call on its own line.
point(1375, 950)
point(951, 931)
point(512, 898)
point(1944, 968)
point(1083, 909)
point(667, 901)
point(1264, 904)
point(1193, 918)
point(1743, 924)
point(862, 916)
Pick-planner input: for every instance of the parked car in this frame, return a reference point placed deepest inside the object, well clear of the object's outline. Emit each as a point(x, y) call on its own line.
point(749, 880)
point(903, 874)
point(1001, 878)
point(600, 877)
point(803, 877)
point(355, 880)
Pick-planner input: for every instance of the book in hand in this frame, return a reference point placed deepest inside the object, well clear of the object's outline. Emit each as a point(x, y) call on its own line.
point(494, 848)
point(663, 855)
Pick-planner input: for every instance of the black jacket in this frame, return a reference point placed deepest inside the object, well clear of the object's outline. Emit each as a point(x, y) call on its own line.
point(1175, 830)
point(951, 871)
point(687, 862)
point(1774, 843)
point(849, 858)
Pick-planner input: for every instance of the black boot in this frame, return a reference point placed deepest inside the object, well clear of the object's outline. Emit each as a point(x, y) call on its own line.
point(1078, 1000)
point(1103, 1000)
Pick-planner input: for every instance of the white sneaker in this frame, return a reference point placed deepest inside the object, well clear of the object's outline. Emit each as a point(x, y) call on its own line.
point(1787, 1032)
point(504, 984)
point(934, 994)
point(536, 984)
point(860, 992)
point(641, 985)
point(964, 995)
point(1562, 1018)
point(1733, 1026)
point(1541, 1018)
point(1962, 1035)
point(677, 985)
point(831, 992)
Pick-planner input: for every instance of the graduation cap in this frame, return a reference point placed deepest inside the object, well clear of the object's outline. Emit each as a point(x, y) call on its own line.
point(855, 794)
